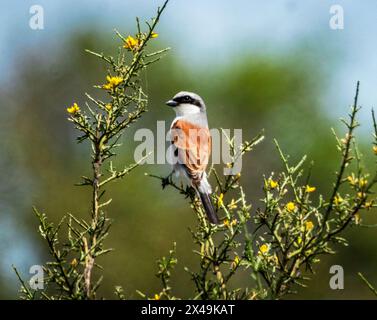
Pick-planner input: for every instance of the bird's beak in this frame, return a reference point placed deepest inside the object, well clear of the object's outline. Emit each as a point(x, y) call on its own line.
point(171, 103)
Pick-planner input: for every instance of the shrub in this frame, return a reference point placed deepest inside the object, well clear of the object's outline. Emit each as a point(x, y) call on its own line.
point(275, 245)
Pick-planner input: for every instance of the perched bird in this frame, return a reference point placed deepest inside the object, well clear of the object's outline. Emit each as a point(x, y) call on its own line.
point(191, 141)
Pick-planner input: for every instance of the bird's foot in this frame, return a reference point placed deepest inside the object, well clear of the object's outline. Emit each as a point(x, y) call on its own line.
point(166, 181)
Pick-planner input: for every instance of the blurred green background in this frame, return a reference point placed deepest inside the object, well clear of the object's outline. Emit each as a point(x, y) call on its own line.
point(276, 66)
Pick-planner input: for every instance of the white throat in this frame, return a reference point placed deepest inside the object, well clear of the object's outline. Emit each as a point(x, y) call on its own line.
point(185, 109)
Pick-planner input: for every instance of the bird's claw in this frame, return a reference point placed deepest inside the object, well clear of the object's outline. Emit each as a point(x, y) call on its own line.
point(166, 181)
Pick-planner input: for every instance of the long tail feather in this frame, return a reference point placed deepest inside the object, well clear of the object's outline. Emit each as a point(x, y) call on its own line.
point(208, 207)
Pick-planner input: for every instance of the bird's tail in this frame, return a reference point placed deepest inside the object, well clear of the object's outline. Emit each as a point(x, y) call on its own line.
point(204, 191)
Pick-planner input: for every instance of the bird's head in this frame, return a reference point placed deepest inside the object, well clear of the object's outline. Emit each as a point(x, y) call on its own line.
point(185, 103)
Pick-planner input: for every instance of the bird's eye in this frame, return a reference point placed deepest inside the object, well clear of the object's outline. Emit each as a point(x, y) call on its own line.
point(187, 98)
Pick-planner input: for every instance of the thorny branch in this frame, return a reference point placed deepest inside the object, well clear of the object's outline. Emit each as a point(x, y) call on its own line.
point(291, 231)
point(70, 274)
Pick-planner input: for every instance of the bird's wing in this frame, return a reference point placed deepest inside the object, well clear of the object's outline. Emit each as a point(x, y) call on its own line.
point(193, 144)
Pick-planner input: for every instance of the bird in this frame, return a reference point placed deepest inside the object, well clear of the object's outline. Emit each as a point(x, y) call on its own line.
point(191, 146)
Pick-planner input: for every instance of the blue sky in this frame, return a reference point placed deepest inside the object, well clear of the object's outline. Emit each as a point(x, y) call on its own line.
point(212, 32)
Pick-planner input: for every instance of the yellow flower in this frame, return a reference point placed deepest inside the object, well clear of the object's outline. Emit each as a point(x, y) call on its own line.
point(154, 34)
point(368, 205)
point(73, 109)
point(290, 206)
point(229, 165)
point(220, 201)
point(338, 200)
point(74, 262)
point(363, 182)
point(273, 184)
point(131, 43)
point(156, 297)
point(108, 107)
point(357, 218)
point(309, 189)
point(228, 223)
point(264, 248)
point(112, 82)
point(309, 225)
point(352, 180)
point(360, 194)
point(375, 150)
point(235, 262)
point(232, 205)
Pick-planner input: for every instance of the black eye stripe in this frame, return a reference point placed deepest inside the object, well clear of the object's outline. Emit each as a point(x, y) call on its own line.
point(183, 99)
point(187, 99)
point(197, 103)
